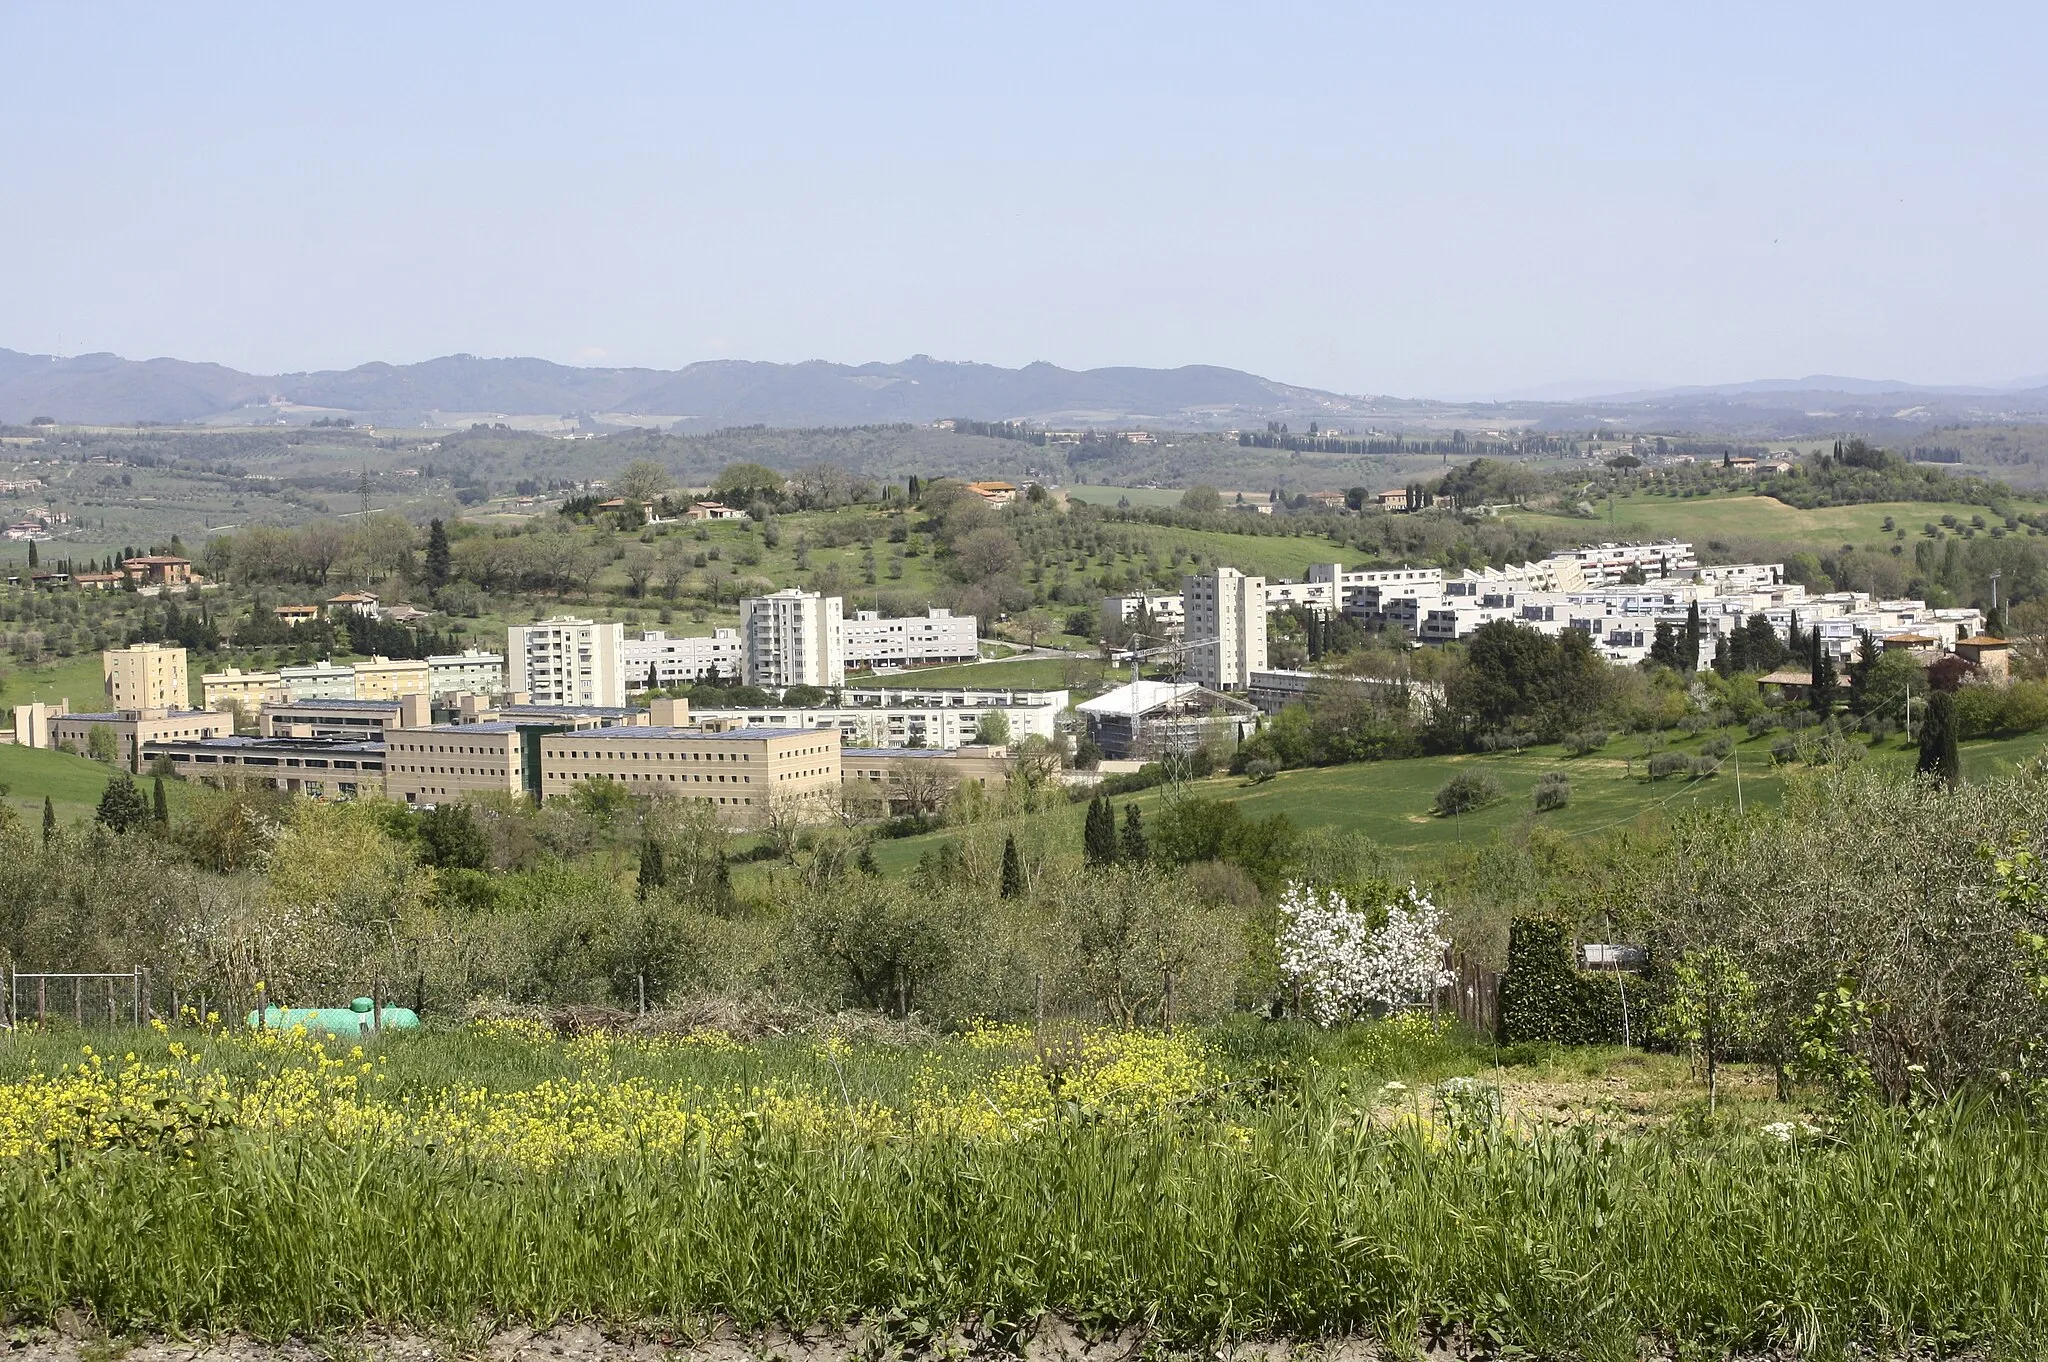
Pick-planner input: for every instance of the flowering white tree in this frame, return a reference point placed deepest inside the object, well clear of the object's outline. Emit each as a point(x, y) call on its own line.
point(1343, 962)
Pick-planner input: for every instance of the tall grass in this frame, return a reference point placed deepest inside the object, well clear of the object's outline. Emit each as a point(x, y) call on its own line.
point(1302, 1215)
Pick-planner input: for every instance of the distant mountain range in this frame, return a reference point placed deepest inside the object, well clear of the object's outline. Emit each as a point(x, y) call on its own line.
point(460, 389)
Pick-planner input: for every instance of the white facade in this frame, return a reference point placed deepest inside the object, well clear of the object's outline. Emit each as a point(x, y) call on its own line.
point(792, 638)
point(1610, 562)
point(322, 680)
point(1227, 627)
point(565, 661)
point(1167, 614)
point(937, 636)
point(681, 661)
point(942, 726)
point(472, 670)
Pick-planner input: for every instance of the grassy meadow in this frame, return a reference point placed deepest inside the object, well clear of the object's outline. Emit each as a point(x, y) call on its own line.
point(1249, 1180)
point(1748, 516)
point(1389, 801)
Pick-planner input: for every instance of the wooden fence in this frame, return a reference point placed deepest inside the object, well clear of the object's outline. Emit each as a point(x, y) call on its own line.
point(1473, 994)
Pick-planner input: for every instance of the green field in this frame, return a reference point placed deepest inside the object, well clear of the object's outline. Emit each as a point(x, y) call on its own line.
point(1034, 673)
point(1748, 516)
point(72, 784)
point(77, 679)
point(1389, 801)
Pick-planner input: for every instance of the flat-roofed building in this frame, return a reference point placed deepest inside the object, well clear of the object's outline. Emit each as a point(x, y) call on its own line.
point(744, 772)
point(473, 669)
point(322, 680)
point(657, 658)
point(919, 780)
point(1226, 626)
point(133, 732)
point(146, 677)
point(239, 690)
point(565, 661)
point(450, 761)
point(793, 638)
point(883, 718)
point(319, 768)
point(368, 720)
point(384, 678)
point(871, 639)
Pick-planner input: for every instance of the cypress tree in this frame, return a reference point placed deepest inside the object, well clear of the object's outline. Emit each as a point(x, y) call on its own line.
point(1822, 665)
point(440, 561)
point(1689, 645)
point(32, 554)
point(159, 807)
point(1134, 848)
point(49, 820)
point(1938, 755)
point(1013, 869)
point(1098, 841)
point(653, 874)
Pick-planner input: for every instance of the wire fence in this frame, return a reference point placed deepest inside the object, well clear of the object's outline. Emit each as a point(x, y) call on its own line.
point(88, 999)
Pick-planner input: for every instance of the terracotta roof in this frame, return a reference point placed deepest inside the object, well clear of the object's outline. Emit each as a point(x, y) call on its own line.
point(1786, 679)
point(1982, 641)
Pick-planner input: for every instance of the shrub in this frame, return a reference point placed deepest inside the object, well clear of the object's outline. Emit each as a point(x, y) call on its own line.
point(1718, 746)
point(1705, 766)
point(1784, 751)
point(1544, 996)
point(1762, 724)
point(1579, 744)
point(1464, 792)
point(1668, 764)
point(1553, 791)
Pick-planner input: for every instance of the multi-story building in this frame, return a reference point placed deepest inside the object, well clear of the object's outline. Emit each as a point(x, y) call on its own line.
point(365, 720)
point(320, 768)
point(322, 680)
point(148, 678)
point(792, 638)
point(244, 691)
point(384, 678)
point(915, 780)
point(898, 719)
point(472, 670)
point(933, 639)
point(565, 661)
point(133, 730)
point(1226, 627)
point(1147, 620)
point(745, 771)
point(1609, 563)
point(449, 761)
point(657, 660)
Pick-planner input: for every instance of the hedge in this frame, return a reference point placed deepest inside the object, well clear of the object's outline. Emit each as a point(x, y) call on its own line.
point(1545, 996)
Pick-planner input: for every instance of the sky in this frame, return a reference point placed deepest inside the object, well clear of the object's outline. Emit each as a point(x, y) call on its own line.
point(1440, 199)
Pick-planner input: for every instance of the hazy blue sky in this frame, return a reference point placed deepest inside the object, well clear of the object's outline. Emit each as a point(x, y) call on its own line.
point(1423, 199)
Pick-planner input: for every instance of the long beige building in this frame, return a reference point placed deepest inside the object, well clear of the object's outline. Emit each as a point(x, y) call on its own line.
point(446, 762)
point(744, 771)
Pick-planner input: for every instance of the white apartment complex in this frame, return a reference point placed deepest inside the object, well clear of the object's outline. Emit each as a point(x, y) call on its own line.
point(792, 638)
point(565, 661)
point(887, 718)
point(932, 639)
point(1226, 626)
point(472, 670)
point(657, 659)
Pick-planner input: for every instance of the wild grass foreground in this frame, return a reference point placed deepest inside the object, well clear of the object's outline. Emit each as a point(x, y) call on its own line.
point(1244, 1180)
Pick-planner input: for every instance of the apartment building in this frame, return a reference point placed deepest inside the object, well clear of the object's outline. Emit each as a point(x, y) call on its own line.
point(1162, 619)
point(148, 678)
point(473, 670)
point(319, 768)
point(322, 680)
point(908, 780)
point(792, 638)
point(658, 659)
point(743, 771)
point(1226, 624)
point(935, 638)
point(383, 678)
point(566, 661)
point(902, 723)
point(237, 689)
point(1609, 563)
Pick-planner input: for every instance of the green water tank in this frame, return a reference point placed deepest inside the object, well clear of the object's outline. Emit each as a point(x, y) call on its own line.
point(344, 1022)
